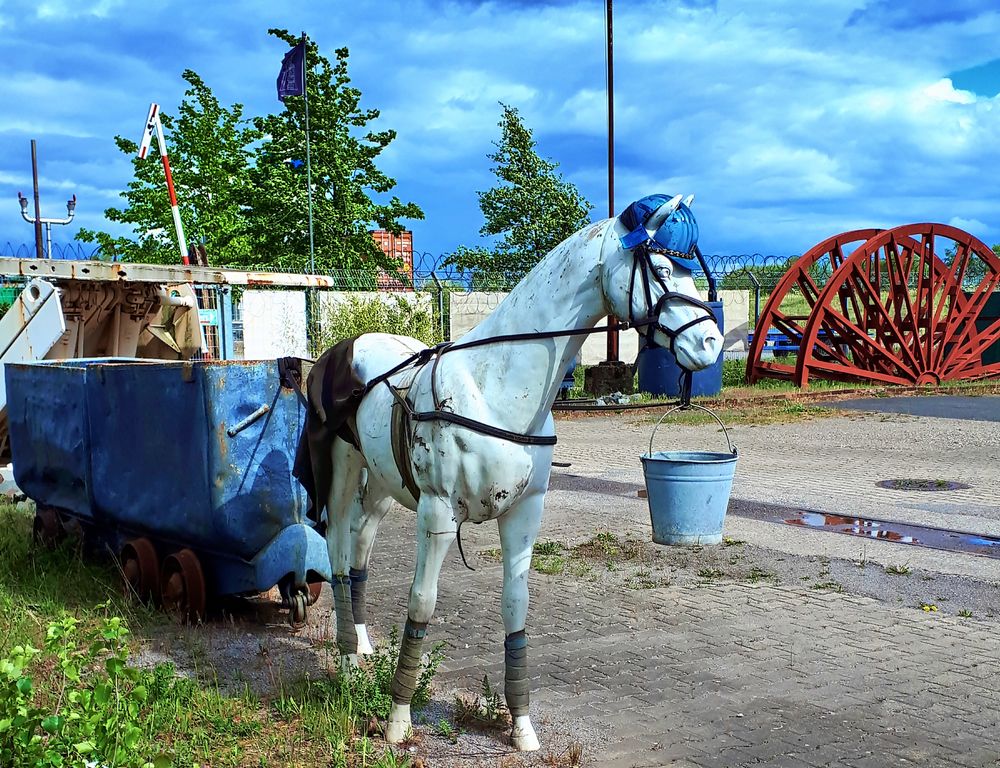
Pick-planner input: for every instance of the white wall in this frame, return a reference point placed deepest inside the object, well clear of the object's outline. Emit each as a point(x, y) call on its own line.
point(469, 309)
point(274, 324)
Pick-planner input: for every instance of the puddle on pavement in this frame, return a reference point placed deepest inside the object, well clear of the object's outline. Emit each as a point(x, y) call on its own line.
point(864, 527)
point(901, 533)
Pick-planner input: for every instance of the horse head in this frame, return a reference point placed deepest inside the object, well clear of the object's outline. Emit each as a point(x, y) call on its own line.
point(647, 279)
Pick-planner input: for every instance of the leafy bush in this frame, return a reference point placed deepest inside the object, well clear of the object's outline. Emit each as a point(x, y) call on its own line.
point(390, 314)
point(98, 717)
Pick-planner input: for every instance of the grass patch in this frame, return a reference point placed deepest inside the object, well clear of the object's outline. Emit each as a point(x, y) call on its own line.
point(645, 579)
point(898, 570)
point(494, 554)
point(608, 547)
point(78, 699)
point(547, 557)
point(757, 575)
point(828, 586)
point(777, 411)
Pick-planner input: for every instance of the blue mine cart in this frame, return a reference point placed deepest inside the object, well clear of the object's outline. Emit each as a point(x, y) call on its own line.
point(184, 470)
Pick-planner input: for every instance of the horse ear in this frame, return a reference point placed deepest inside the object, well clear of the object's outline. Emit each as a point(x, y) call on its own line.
point(660, 214)
point(688, 200)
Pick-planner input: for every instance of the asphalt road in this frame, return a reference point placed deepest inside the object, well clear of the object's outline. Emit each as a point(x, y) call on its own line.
point(938, 406)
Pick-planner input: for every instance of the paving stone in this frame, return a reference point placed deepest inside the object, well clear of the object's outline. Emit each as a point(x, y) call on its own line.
point(728, 674)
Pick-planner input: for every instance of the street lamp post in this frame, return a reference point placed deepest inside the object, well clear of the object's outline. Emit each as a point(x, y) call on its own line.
point(36, 220)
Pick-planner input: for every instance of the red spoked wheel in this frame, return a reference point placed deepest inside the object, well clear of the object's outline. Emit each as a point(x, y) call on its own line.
point(182, 585)
point(141, 569)
point(904, 308)
point(793, 299)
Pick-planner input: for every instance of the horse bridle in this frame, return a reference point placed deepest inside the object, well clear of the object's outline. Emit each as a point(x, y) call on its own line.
point(642, 262)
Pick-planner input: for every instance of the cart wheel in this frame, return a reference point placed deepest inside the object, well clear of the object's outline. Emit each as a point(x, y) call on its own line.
point(141, 569)
point(182, 585)
point(297, 610)
point(47, 529)
point(315, 590)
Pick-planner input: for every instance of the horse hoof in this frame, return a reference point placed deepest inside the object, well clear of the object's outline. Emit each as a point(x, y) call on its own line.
point(398, 728)
point(364, 644)
point(397, 731)
point(523, 736)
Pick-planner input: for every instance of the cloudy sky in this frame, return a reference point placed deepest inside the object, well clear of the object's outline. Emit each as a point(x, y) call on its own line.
point(791, 121)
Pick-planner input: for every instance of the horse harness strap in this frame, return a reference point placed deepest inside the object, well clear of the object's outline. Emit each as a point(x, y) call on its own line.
point(404, 407)
point(402, 438)
point(653, 310)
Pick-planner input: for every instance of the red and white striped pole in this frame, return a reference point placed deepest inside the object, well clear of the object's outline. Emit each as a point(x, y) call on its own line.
point(153, 124)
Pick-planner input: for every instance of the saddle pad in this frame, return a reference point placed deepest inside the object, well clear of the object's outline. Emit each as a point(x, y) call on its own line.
point(333, 393)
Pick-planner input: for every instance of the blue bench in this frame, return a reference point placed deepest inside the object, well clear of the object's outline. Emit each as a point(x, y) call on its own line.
point(777, 343)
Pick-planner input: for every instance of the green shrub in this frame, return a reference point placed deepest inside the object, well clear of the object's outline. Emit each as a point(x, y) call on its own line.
point(391, 314)
point(99, 714)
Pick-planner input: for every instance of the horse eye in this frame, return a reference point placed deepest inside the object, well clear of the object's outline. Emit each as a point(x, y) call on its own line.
point(663, 272)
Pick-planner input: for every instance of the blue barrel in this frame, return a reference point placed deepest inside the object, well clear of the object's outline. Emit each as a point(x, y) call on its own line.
point(659, 373)
point(688, 491)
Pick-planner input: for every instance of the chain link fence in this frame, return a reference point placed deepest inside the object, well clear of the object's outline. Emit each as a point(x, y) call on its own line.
point(430, 300)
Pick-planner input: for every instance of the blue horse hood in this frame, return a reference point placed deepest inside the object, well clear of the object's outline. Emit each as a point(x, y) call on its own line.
point(677, 235)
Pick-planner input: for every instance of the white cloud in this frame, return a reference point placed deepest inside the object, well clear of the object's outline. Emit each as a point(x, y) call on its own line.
point(68, 9)
point(791, 121)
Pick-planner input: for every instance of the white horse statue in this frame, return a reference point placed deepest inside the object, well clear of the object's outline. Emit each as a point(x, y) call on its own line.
point(473, 425)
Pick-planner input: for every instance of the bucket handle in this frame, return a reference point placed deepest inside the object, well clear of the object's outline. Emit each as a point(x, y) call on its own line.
point(687, 407)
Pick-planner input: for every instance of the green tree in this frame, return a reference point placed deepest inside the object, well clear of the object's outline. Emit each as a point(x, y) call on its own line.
point(531, 210)
point(344, 175)
point(209, 159)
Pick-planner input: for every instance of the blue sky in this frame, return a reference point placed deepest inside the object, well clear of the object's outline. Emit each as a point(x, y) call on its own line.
point(790, 121)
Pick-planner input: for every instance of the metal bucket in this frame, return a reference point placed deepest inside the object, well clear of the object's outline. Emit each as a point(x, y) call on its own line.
point(688, 491)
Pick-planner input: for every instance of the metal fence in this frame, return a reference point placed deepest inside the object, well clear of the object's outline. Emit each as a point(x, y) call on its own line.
point(437, 283)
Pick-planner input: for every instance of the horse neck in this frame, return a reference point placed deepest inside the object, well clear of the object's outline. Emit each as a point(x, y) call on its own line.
point(520, 379)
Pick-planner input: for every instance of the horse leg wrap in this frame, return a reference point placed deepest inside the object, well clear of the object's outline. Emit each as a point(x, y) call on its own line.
point(516, 680)
point(347, 636)
point(359, 580)
point(404, 682)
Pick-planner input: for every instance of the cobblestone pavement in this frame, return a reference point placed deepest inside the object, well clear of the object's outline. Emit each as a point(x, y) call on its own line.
point(738, 674)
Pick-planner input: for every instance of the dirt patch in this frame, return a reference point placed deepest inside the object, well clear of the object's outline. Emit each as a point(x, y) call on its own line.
point(638, 564)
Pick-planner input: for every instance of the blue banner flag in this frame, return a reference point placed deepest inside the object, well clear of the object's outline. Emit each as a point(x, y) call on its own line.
point(291, 78)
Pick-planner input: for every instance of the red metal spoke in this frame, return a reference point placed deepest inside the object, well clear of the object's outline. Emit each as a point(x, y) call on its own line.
point(810, 291)
point(973, 348)
point(865, 342)
point(899, 294)
point(886, 323)
point(965, 320)
point(859, 374)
